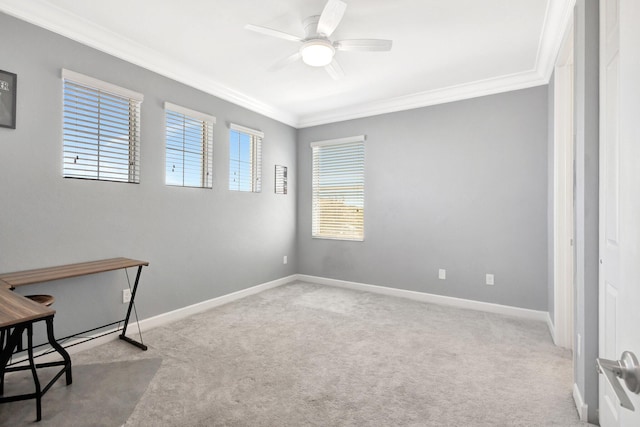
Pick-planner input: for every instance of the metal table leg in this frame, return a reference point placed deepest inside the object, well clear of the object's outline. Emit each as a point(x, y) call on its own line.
point(126, 320)
point(12, 340)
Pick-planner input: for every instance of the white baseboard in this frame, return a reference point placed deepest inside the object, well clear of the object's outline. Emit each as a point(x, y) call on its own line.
point(431, 298)
point(580, 405)
point(181, 313)
point(47, 355)
point(552, 328)
point(159, 320)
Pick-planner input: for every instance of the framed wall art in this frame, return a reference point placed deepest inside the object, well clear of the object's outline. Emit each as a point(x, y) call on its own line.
point(281, 179)
point(8, 83)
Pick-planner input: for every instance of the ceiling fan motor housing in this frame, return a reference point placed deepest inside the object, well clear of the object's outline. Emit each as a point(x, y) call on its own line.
point(310, 26)
point(317, 49)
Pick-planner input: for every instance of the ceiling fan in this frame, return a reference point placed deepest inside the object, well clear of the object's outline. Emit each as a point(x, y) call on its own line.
point(317, 49)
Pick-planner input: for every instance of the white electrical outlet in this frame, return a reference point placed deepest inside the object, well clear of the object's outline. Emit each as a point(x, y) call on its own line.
point(442, 274)
point(126, 295)
point(489, 280)
point(284, 259)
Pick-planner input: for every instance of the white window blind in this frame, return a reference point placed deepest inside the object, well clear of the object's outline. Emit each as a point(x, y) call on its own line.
point(189, 140)
point(101, 130)
point(338, 188)
point(245, 159)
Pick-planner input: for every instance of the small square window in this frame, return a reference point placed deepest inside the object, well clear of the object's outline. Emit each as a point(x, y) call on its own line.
point(189, 140)
point(101, 130)
point(245, 159)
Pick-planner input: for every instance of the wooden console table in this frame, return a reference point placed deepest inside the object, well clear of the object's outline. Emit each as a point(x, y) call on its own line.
point(18, 313)
point(30, 277)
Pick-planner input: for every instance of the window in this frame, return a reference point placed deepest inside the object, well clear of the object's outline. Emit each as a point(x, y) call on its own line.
point(101, 130)
point(245, 159)
point(189, 142)
point(338, 188)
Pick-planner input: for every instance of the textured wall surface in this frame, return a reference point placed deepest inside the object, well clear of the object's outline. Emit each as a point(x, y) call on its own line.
point(460, 186)
point(200, 243)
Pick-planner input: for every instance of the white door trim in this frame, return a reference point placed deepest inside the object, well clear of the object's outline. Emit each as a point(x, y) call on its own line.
point(563, 191)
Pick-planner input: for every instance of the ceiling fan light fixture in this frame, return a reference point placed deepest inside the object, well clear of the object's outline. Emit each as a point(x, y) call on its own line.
point(317, 53)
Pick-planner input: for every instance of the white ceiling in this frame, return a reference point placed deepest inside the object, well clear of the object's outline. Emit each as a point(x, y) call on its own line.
point(443, 50)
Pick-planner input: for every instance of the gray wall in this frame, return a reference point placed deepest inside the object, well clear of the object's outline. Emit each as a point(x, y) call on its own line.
point(460, 186)
point(586, 104)
point(201, 243)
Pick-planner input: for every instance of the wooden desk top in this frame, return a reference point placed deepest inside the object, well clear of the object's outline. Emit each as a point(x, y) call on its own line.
point(29, 277)
point(15, 309)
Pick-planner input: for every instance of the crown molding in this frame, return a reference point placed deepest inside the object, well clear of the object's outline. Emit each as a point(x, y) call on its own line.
point(50, 17)
point(424, 99)
point(557, 19)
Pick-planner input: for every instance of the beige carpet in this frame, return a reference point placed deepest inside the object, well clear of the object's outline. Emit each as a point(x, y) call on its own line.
point(305, 354)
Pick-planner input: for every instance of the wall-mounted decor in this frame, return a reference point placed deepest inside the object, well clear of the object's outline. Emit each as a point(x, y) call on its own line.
point(8, 83)
point(281, 179)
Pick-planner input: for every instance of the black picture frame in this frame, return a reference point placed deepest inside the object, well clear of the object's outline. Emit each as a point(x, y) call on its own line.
point(8, 98)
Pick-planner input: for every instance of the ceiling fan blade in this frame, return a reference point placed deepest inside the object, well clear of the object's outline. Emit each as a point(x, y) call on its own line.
point(363, 45)
point(273, 33)
point(286, 61)
point(331, 17)
point(335, 70)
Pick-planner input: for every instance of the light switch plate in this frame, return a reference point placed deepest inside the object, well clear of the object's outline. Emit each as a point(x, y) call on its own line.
point(126, 295)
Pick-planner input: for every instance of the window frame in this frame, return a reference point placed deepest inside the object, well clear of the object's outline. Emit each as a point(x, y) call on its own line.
point(353, 171)
point(255, 164)
point(73, 112)
point(206, 123)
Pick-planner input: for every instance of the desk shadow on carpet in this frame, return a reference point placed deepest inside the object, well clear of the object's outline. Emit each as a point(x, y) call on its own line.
point(103, 394)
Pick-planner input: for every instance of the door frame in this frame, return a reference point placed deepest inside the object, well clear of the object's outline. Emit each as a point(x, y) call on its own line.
point(563, 193)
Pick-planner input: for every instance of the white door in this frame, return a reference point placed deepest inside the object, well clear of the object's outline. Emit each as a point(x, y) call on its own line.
point(619, 317)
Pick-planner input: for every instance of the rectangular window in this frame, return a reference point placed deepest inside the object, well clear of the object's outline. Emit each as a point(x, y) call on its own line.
point(101, 130)
point(245, 159)
point(338, 188)
point(189, 139)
